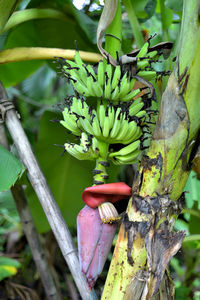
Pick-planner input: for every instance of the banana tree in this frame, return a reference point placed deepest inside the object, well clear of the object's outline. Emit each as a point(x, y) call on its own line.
point(110, 116)
point(146, 241)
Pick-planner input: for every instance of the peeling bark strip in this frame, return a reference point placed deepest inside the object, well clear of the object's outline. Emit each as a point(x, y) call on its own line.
point(138, 288)
point(161, 242)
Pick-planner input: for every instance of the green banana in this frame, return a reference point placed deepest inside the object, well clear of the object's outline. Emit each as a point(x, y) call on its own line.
point(96, 126)
point(126, 150)
point(143, 51)
point(130, 96)
point(117, 124)
point(101, 74)
point(141, 114)
point(135, 136)
point(90, 70)
point(124, 129)
point(106, 126)
point(90, 83)
point(116, 77)
point(85, 124)
point(80, 88)
point(79, 152)
point(115, 93)
point(141, 64)
point(124, 86)
point(135, 108)
point(102, 114)
point(126, 159)
point(132, 129)
point(111, 114)
point(147, 75)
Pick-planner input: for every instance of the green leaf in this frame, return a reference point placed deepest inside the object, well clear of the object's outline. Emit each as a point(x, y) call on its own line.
point(176, 5)
point(139, 8)
point(150, 7)
point(82, 22)
point(8, 267)
point(66, 176)
point(10, 169)
point(6, 9)
point(23, 35)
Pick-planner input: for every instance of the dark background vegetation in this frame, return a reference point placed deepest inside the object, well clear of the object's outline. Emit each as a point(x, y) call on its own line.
point(38, 91)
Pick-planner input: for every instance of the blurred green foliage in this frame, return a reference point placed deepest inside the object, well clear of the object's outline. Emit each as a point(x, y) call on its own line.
point(38, 92)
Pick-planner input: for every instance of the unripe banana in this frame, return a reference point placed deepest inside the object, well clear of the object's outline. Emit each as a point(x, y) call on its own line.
point(135, 108)
point(111, 114)
point(116, 77)
point(135, 135)
point(126, 159)
point(141, 114)
point(80, 88)
point(124, 86)
point(126, 150)
point(84, 141)
point(132, 129)
point(78, 59)
point(117, 124)
point(147, 75)
point(141, 64)
point(106, 127)
point(115, 93)
point(143, 51)
point(124, 129)
point(85, 124)
point(96, 126)
point(90, 83)
point(70, 122)
point(101, 74)
point(109, 71)
point(95, 145)
point(90, 69)
point(130, 96)
point(102, 114)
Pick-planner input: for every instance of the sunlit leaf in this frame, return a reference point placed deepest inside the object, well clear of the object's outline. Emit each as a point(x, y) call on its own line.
point(8, 267)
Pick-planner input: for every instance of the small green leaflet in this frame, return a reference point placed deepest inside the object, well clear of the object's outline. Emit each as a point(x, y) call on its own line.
point(10, 169)
point(8, 267)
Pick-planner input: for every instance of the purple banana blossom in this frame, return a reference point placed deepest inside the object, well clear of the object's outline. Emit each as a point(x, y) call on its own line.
point(94, 242)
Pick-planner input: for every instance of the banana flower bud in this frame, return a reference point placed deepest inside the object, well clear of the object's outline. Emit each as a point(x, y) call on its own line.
point(94, 236)
point(95, 195)
point(94, 242)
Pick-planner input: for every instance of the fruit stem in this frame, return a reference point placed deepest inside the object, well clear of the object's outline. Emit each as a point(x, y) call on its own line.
point(100, 174)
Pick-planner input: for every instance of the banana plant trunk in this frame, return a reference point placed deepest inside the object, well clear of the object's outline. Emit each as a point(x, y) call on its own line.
point(146, 241)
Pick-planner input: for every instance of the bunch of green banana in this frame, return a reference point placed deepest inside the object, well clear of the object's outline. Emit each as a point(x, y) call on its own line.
point(126, 155)
point(107, 81)
point(110, 124)
point(84, 151)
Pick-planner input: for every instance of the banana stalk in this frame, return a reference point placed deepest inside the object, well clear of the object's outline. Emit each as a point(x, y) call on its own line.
point(146, 241)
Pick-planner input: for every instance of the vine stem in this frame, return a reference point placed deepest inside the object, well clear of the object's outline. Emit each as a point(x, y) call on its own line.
point(47, 201)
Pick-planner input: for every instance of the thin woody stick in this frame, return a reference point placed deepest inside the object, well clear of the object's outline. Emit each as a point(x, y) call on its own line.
point(31, 233)
point(47, 201)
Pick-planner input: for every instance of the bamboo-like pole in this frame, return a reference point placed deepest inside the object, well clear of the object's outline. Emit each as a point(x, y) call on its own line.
point(31, 233)
point(47, 201)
